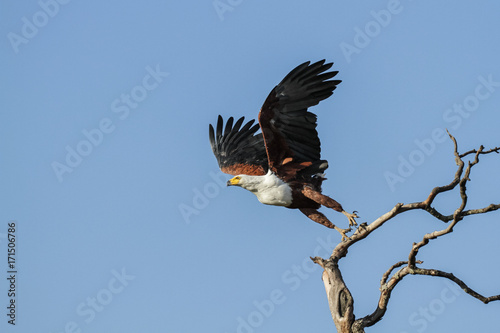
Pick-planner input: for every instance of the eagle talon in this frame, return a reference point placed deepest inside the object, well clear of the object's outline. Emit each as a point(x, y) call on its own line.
point(351, 217)
point(343, 232)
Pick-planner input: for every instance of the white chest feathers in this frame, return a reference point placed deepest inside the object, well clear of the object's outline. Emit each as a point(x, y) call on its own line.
point(269, 189)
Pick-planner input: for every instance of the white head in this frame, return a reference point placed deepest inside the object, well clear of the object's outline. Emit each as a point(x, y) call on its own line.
point(250, 183)
point(269, 189)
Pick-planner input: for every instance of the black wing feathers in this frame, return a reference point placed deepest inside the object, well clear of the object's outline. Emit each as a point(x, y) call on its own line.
point(237, 149)
point(289, 142)
point(284, 114)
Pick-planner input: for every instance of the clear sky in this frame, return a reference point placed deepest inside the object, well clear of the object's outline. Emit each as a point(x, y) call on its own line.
point(122, 220)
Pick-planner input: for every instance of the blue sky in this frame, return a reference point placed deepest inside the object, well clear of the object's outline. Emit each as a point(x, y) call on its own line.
point(122, 221)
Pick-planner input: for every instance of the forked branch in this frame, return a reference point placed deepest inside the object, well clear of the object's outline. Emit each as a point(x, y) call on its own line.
point(332, 276)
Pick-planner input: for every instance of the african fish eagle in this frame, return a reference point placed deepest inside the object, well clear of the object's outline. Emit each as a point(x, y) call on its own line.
point(281, 165)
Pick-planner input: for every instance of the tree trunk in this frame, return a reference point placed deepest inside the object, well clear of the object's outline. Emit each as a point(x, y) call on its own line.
point(339, 297)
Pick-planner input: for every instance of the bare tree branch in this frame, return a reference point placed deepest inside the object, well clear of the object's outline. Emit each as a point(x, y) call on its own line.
point(461, 178)
point(388, 287)
point(389, 271)
point(340, 299)
point(448, 218)
point(457, 215)
point(473, 151)
point(487, 209)
point(440, 189)
point(364, 230)
point(450, 276)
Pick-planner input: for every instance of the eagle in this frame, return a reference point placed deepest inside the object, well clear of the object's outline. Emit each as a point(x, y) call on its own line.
point(281, 164)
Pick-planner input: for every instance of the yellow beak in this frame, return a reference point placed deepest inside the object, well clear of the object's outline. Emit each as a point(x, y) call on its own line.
point(233, 181)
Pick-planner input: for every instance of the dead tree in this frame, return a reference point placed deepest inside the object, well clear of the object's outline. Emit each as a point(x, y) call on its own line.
point(340, 299)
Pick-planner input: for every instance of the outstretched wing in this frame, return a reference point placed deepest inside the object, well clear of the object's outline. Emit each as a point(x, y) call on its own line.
point(238, 149)
point(289, 130)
